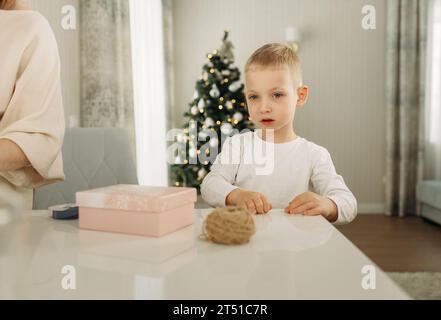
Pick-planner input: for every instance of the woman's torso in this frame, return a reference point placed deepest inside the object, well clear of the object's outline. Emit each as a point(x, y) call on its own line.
point(17, 30)
point(16, 33)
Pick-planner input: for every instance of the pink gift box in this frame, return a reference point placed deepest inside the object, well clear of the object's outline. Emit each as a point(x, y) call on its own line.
point(136, 210)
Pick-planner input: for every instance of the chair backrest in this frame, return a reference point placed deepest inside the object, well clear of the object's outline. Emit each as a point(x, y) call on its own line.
point(93, 158)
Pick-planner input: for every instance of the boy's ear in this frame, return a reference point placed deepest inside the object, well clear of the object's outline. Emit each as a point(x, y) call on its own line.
point(302, 93)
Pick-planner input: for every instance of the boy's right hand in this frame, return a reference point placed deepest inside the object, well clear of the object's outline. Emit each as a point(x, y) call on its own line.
point(253, 201)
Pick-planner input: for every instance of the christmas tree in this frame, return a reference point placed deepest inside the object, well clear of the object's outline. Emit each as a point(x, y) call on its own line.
point(217, 111)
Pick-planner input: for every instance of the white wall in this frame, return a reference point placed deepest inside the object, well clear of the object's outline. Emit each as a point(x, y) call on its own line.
point(343, 64)
point(68, 43)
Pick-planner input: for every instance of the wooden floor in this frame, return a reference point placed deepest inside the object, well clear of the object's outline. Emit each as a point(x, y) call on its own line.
point(397, 244)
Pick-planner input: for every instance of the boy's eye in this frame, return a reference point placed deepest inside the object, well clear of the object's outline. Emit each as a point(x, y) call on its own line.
point(253, 97)
point(278, 95)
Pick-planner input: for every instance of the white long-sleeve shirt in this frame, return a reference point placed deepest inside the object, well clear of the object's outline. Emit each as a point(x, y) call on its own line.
point(281, 172)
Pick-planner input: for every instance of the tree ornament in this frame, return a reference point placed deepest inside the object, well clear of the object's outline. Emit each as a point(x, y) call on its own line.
point(193, 153)
point(194, 111)
point(202, 174)
point(214, 93)
point(209, 122)
point(226, 50)
point(180, 138)
point(226, 129)
point(238, 117)
point(205, 76)
point(201, 104)
point(214, 142)
point(235, 86)
point(203, 135)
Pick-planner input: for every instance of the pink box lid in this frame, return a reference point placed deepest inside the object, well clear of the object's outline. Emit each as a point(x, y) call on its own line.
point(136, 198)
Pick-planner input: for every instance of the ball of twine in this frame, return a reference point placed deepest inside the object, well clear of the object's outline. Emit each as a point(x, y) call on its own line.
point(230, 226)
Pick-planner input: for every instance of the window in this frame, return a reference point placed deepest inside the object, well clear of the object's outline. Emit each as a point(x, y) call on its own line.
point(434, 67)
point(149, 91)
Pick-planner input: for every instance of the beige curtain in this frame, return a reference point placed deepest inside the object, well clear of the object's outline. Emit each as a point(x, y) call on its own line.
point(106, 67)
point(406, 61)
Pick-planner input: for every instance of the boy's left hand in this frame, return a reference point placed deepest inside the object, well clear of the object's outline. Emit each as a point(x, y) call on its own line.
point(312, 204)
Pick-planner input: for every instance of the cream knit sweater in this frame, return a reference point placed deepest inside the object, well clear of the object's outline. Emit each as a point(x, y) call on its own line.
point(31, 111)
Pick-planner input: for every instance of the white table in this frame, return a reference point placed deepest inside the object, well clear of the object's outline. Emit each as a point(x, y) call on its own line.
point(290, 257)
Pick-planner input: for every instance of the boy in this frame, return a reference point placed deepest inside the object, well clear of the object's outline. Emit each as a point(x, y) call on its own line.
point(303, 178)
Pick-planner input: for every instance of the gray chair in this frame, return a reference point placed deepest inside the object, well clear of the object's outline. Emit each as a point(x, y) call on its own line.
point(429, 198)
point(93, 158)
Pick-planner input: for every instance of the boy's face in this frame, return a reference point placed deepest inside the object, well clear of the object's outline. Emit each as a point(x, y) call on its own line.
point(272, 97)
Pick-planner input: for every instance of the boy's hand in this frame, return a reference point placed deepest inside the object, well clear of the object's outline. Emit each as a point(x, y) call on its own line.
point(311, 204)
point(253, 201)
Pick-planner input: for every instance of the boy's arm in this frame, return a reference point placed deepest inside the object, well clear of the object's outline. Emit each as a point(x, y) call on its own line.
point(327, 183)
point(218, 184)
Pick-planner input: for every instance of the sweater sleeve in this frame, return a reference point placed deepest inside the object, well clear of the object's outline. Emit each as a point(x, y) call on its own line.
point(34, 117)
point(219, 183)
point(328, 183)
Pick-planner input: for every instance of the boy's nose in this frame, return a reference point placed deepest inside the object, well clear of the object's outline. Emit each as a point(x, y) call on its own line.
point(265, 108)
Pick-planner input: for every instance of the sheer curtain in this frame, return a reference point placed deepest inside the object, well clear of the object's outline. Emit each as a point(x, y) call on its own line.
point(433, 114)
point(147, 38)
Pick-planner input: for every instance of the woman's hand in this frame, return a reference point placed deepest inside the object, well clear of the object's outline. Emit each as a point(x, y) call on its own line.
point(253, 201)
point(12, 158)
point(312, 204)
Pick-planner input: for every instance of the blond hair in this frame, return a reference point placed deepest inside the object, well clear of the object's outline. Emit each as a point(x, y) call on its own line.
point(7, 4)
point(277, 55)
